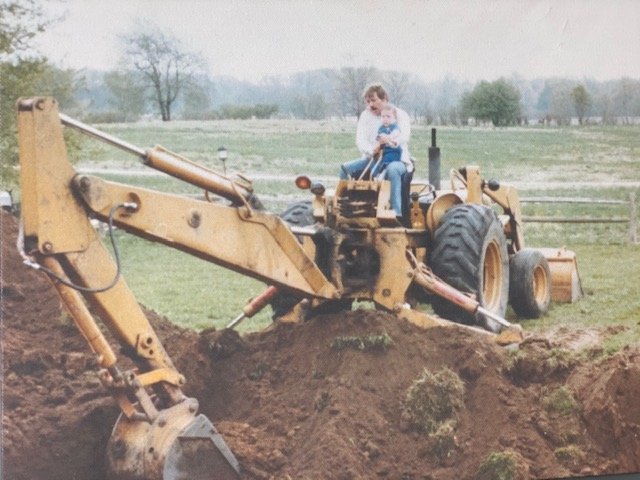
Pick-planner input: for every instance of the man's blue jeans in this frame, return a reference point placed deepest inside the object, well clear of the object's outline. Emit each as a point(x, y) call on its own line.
point(394, 173)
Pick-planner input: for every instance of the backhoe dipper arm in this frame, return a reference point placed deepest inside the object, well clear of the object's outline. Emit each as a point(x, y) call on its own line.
point(59, 236)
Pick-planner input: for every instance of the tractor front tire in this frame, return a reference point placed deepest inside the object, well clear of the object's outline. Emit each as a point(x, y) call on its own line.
point(470, 254)
point(529, 284)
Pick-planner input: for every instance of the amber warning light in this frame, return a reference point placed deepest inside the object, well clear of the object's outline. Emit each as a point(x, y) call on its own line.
point(303, 182)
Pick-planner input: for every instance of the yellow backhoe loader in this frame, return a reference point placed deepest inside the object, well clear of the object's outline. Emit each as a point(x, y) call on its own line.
point(454, 250)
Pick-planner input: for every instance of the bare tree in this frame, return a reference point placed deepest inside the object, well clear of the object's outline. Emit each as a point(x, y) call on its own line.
point(127, 93)
point(561, 105)
point(396, 84)
point(417, 100)
point(447, 97)
point(350, 85)
point(167, 67)
point(626, 99)
point(197, 101)
point(604, 107)
point(581, 101)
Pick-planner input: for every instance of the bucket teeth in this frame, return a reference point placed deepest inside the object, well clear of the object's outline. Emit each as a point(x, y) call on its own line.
point(177, 445)
point(200, 453)
point(510, 335)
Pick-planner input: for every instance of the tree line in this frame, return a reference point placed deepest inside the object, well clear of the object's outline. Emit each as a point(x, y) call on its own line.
point(157, 75)
point(329, 93)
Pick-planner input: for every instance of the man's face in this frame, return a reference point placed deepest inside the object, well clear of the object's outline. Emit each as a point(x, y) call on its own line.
point(374, 103)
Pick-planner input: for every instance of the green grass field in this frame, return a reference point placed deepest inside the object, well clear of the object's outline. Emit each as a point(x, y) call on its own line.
point(523, 155)
point(594, 162)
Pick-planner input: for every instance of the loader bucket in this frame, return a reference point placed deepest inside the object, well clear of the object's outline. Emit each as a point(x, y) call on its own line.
point(177, 445)
point(566, 286)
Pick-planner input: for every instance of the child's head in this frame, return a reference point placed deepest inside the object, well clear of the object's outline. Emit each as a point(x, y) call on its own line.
point(388, 115)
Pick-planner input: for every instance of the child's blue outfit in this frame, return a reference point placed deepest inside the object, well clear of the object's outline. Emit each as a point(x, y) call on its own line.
point(389, 153)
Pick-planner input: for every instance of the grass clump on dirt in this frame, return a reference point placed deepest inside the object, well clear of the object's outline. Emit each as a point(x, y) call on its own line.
point(442, 443)
point(571, 456)
point(561, 359)
point(507, 465)
point(431, 406)
point(433, 399)
point(560, 401)
point(525, 366)
point(510, 366)
point(376, 343)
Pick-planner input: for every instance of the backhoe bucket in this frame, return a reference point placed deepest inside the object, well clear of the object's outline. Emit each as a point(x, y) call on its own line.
point(177, 445)
point(565, 280)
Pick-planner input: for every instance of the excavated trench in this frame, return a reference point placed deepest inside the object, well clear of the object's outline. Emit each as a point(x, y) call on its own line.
point(293, 406)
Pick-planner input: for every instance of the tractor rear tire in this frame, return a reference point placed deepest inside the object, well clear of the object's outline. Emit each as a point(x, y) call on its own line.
point(299, 214)
point(470, 254)
point(529, 284)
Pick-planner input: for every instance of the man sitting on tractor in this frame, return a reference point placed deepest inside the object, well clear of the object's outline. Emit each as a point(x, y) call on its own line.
point(369, 143)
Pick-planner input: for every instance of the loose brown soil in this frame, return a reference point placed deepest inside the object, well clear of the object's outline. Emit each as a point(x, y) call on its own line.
point(292, 407)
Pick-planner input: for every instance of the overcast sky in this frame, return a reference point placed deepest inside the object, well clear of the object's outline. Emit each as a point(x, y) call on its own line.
point(466, 39)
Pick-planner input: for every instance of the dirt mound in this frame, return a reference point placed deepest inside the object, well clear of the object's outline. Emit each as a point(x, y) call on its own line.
point(323, 399)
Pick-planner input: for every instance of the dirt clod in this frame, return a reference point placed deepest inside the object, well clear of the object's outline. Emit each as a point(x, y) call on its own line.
point(291, 406)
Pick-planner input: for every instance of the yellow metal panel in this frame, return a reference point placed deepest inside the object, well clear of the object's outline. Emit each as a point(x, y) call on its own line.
point(474, 185)
point(418, 318)
point(439, 207)
point(158, 375)
point(49, 209)
point(396, 273)
point(384, 212)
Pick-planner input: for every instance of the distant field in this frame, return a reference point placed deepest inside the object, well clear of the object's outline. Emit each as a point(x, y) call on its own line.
point(287, 147)
point(594, 162)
